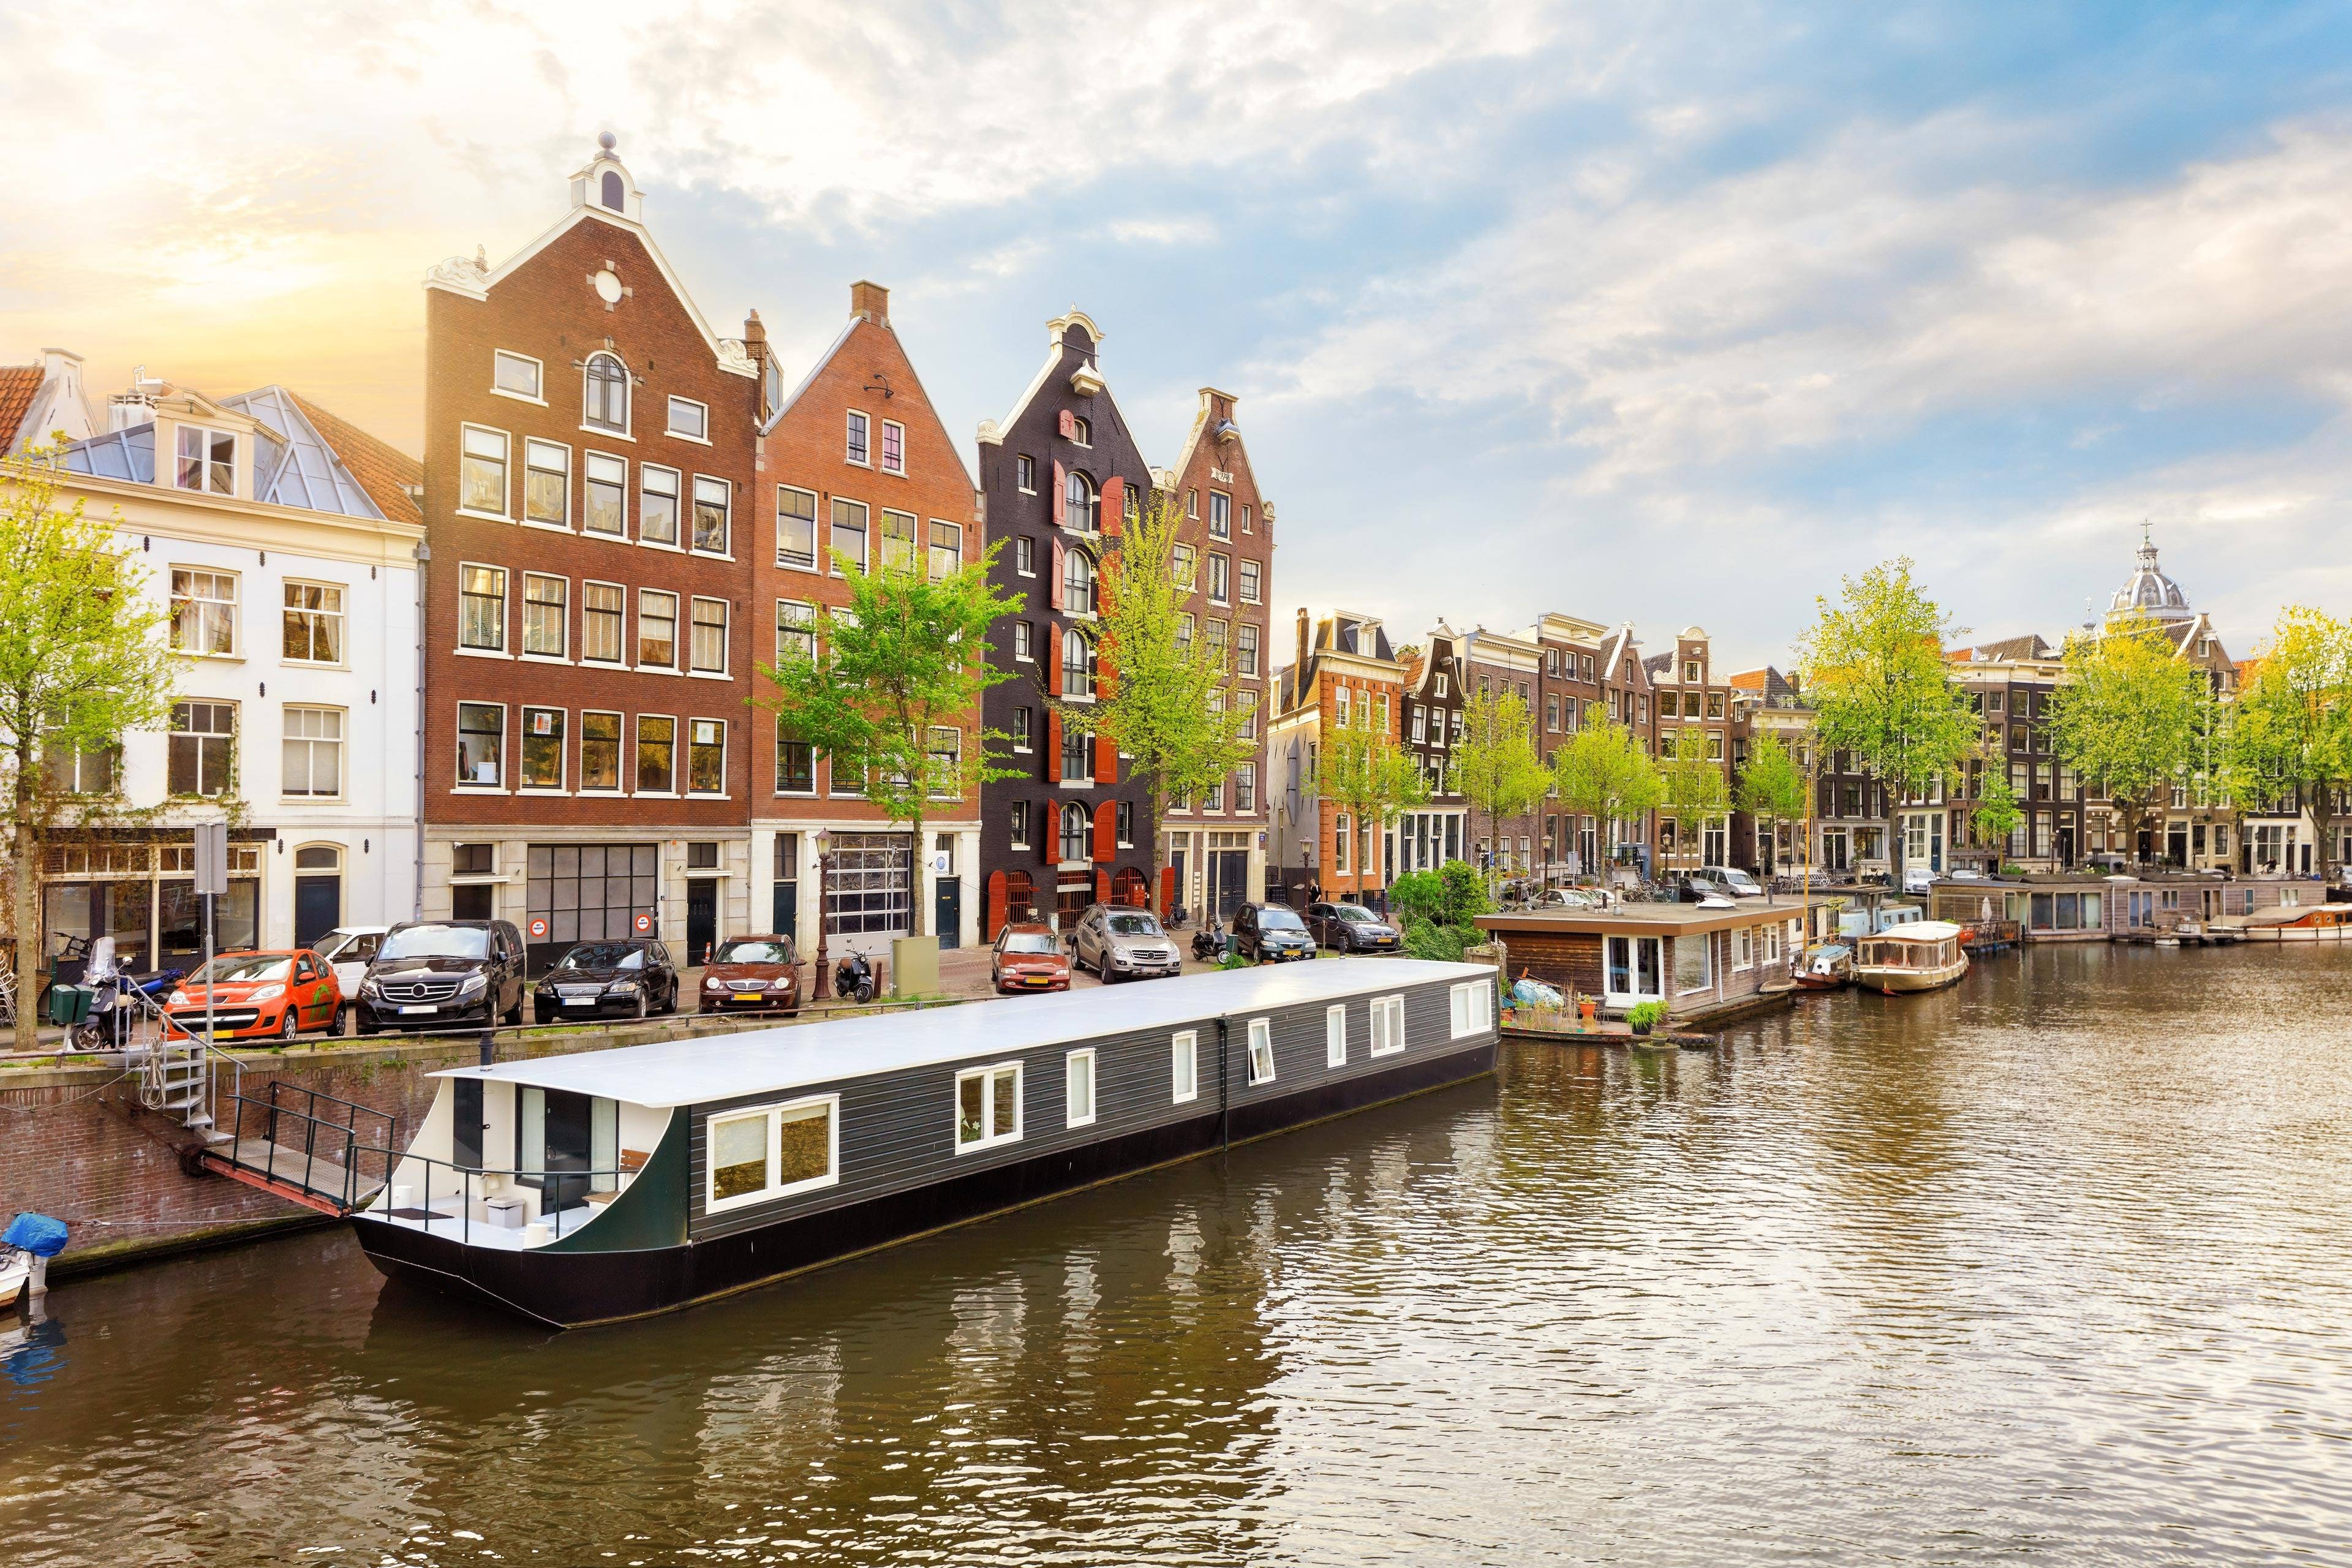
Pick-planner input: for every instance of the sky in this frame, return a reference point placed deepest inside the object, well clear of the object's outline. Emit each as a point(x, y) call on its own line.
point(1654, 312)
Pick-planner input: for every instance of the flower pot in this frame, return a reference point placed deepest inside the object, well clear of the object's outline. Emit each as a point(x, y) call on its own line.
point(1641, 1028)
point(1588, 1009)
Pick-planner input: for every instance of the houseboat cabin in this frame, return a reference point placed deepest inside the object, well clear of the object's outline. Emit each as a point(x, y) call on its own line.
point(1924, 955)
point(2291, 923)
point(607, 1184)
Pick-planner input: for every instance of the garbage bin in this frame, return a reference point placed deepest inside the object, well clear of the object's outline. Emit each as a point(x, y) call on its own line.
point(69, 1004)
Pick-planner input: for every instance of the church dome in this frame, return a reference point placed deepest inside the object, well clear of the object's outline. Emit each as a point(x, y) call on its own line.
point(2150, 593)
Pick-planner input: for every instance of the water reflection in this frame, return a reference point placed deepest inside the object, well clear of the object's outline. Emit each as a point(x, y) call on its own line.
point(2052, 1263)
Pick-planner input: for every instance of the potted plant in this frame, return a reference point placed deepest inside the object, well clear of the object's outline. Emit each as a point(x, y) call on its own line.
point(1644, 1016)
point(1587, 1008)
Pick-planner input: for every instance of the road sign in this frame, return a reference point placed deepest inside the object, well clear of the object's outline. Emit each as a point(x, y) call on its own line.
point(539, 930)
point(212, 859)
point(645, 923)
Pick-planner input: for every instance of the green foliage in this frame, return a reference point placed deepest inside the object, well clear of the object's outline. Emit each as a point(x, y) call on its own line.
point(1772, 789)
point(903, 665)
point(1453, 895)
point(1495, 765)
point(1646, 1015)
point(1236, 960)
point(83, 662)
point(2129, 714)
point(2291, 727)
point(1361, 770)
point(1602, 772)
point(1173, 704)
point(1997, 812)
point(1873, 666)
point(1694, 791)
point(1440, 944)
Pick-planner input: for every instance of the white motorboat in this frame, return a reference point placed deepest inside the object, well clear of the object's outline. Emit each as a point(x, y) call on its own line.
point(1923, 955)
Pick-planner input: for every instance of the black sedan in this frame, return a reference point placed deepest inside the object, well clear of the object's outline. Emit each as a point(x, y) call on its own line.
point(1352, 928)
point(1271, 933)
point(606, 979)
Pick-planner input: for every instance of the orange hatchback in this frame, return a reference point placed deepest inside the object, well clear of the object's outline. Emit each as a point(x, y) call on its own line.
point(1029, 958)
point(260, 996)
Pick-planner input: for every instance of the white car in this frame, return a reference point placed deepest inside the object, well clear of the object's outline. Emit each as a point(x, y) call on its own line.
point(1918, 879)
point(350, 949)
point(1727, 881)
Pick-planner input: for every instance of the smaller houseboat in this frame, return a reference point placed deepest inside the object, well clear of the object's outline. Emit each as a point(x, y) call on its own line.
point(1827, 967)
point(2297, 922)
point(1924, 955)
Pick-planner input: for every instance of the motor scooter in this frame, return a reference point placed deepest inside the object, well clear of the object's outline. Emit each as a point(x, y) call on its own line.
point(1209, 944)
point(852, 978)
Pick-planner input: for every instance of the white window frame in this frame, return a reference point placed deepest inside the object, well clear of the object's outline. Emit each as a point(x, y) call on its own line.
point(205, 462)
point(234, 604)
point(563, 653)
point(637, 625)
point(1024, 556)
point(538, 377)
point(589, 459)
point(865, 421)
point(679, 499)
point(1261, 1040)
point(506, 610)
point(815, 562)
point(726, 638)
point(337, 616)
point(1071, 1115)
point(988, 1138)
point(725, 489)
point(1743, 948)
point(669, 420)
point(1470, 1007)
point(1184, 1066)
point(685, 775)
point(621, 753)
point(534, 449)
point(626, 429)
point(882, 449)
point(286, 737)
point(562, 751)
point(1387, 1026)
point(774, 1116)
point(621, 661)
point(506, 472)
point(1335, 1035)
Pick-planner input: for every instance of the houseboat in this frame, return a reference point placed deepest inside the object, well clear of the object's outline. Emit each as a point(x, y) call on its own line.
point(2299, 922)
point(608, 1184)
point(1826, 966)
point(1924, 955)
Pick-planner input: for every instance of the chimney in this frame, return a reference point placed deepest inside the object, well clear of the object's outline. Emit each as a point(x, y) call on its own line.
point(870, 301)
point(1302, 636)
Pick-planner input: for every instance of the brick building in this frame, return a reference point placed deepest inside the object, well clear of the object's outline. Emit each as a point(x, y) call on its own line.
point(1690, 697)
point(589, 507)
point(856, 465)
point(1430, 835)
point(1626, 698)
point(1059, 478)
point(1343, 668)
point(1497, 661)
point(1569, 698)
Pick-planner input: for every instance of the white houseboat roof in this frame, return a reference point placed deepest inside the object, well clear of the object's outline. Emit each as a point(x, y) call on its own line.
point(671, 1073)
point(1916, 930)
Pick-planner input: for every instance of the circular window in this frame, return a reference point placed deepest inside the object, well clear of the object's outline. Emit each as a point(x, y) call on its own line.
point(608, 287)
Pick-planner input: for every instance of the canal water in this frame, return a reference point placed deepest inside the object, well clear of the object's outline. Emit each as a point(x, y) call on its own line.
point(2052, 1266)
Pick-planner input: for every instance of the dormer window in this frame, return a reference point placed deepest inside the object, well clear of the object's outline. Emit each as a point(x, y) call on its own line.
point(207, 461)
point(1081, 431)
point(605, 401)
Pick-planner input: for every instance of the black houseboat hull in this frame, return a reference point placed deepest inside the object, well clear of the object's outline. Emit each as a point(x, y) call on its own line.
point(567, 1289)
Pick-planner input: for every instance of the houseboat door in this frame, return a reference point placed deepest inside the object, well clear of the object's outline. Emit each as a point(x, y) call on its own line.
point(1634, 971)
point(556, 1139)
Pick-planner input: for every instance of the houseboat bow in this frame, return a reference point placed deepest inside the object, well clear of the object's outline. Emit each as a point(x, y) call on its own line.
point(1924, 955)
point(609, 1184)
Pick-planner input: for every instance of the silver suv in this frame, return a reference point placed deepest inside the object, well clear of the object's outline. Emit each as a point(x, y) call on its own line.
point(1122, 943)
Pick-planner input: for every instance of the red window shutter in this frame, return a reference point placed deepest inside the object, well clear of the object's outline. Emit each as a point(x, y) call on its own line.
point(1053, 589)
point(1053, 661)
point(1069, 424)
point(1106, 840)
point(1053, 759)
point(1106, 760)
point(1167, 892)
point(1061, 494)
point(1113, 506)
point(1102, 886)
point(995, 904)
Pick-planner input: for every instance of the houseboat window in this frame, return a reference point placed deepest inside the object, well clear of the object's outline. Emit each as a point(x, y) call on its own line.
point(1260, 1050)
point(1694, 969)
point(1335, 1035)
point(1743, 948)
point(988, 1106)
point(1473, 1008)
point(1184, 1066)
point(1080, 1089)
point(1387, 1026)
point(773, 1151)
point(1633, 967)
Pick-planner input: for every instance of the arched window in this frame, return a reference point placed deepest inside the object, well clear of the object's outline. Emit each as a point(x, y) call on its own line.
point(1081, 431)
point(1077, 664)
point(614, 194)
point(1129, 888)
point(604, 398)
point(1074, 831)
point(1078, 497)
point(1077, 583)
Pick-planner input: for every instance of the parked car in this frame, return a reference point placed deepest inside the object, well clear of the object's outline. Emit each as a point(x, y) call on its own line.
point(752, 973)
point(1027, 957)
point(258, 994)
point(1352, 928)
point(433, 975)
point(1123, 943)
point(1727, 881)
point(1271, 933)
point(1918, 879)
point(629, 978)
point(351, 949)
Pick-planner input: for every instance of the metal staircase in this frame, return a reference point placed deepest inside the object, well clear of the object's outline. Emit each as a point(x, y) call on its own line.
point(176, 1079)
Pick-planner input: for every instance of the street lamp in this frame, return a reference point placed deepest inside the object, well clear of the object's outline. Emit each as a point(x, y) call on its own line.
point(824, 840)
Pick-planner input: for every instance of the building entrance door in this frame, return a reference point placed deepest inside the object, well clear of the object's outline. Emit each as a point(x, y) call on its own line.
point(318, 908)
point(1228, 881)
point(947, 911)
point(701, 919)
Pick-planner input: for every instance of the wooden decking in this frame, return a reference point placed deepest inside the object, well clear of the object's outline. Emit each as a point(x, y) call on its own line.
point(314, 1181)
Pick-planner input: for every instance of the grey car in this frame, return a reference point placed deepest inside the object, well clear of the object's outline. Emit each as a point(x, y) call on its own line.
point(1122, 943)
point(1352, 928)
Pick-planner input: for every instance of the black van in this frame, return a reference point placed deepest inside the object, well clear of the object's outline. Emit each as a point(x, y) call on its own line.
point(437, 975)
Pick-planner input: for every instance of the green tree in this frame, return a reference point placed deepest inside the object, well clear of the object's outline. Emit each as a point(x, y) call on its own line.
point(1997, 812)
point(82, 663)
point(1361, 770)
point(1694, 791)
point(1772, 789)
point(1873, 666)
point(1171, 702)
point(1602, 772)
point(2130, 715)
point(1495, 765)
point(2290, 730)
point(900, 674)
